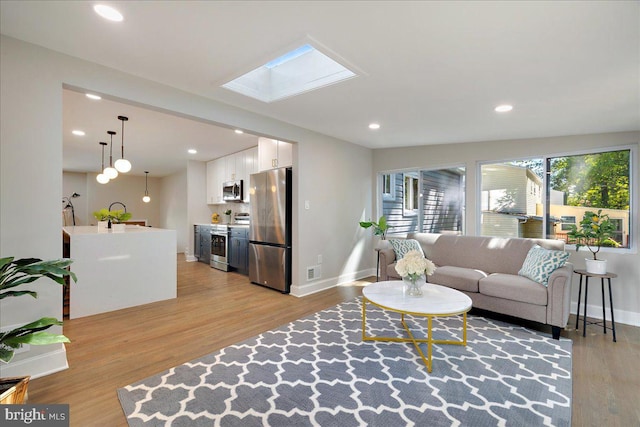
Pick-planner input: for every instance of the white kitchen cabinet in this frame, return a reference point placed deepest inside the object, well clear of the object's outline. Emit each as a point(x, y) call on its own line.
point(251, 167)
point(238, 166)
point(274, 154)
point(211, 179)
point(231, 167)
point(216, 170)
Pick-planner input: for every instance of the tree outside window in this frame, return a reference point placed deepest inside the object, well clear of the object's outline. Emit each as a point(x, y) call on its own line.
point(513, 204)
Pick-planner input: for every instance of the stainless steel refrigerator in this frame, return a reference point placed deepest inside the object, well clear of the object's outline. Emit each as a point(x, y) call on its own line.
point(270, 229)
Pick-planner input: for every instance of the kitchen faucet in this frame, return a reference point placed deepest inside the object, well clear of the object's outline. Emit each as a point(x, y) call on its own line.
point(118, 203)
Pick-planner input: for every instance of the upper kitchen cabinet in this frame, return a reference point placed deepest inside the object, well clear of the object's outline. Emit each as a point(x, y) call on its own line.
point(216, 170)
point(251, 167)
point(274, 154)
point(235, 167)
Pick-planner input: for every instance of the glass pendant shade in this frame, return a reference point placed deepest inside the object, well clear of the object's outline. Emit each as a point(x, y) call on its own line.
point(123, 165)
point(146, 199)
point(110, 172)
point(102, 178)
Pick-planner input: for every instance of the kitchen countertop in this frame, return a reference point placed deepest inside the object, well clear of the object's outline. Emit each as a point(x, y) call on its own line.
point(79, 230)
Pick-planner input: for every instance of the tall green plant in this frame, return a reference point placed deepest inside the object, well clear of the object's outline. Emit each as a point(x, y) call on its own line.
point(20, 272)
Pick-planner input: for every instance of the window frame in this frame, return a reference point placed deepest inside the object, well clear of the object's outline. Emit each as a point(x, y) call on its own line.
point(633, 183)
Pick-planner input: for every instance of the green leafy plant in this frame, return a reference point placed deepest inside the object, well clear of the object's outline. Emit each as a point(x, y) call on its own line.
point(227, 212)
point(596, 230)
point(119, 216)
point(102, 214)
point(380, 228)
point(14, 273)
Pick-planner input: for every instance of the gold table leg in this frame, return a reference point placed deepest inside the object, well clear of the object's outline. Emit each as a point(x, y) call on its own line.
point(427, 360)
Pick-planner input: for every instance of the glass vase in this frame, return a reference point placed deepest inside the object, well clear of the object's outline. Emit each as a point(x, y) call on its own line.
point(413, 285)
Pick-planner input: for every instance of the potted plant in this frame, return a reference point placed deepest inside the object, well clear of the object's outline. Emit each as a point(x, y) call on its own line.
point(103, 217)
point(228, 215)
point(595, 231)
point(14, 273)
point(117, 217)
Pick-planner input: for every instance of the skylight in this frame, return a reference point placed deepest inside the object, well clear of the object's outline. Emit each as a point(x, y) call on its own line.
point(298, 71)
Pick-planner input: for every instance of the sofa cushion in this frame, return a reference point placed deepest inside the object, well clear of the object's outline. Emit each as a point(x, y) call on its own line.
point(402, 246)
point(541, 262)
point(463, 279)
point(514, 288)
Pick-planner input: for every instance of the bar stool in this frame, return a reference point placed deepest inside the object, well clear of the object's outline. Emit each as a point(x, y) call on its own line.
point(586, 275)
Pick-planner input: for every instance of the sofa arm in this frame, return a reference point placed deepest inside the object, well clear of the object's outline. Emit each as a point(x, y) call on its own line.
point(387, 257)
point(559, 296)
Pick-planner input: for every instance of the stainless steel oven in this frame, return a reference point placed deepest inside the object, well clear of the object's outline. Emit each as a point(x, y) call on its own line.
point(220, 247)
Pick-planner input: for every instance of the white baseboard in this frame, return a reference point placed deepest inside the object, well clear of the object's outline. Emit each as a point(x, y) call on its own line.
point(190, 258)
point(39, 365)
point(321, 285)
point(595, 312)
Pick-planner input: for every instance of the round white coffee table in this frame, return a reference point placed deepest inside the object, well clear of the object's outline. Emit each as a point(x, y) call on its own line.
point(436, 301)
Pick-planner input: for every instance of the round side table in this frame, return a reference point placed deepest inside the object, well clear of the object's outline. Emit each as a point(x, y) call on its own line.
point(586, 275)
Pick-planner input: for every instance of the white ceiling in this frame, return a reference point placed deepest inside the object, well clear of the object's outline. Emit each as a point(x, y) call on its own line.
point(429, 72)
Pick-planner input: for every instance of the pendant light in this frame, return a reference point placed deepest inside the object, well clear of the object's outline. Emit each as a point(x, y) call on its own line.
point(146, 197)
point(110, 171)
point(122, 165)
point(101, 177)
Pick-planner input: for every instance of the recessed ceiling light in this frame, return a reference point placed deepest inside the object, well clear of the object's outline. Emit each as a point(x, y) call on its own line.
point(77, 132)
point(503, 108)
point(238, 131)
point(192, 151)
point(93, 96)
point(107, 12)
point(374, 126)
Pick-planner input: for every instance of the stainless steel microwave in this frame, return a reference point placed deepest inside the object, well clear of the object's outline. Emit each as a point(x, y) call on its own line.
point(232, 191)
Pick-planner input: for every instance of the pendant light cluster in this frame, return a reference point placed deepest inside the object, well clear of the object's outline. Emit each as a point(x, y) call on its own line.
point(122, 165)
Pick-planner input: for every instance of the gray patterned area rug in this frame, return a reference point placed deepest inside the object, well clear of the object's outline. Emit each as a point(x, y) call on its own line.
point(317, 371)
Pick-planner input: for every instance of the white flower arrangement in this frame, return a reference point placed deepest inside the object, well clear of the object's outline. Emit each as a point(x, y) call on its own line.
point(413, 265)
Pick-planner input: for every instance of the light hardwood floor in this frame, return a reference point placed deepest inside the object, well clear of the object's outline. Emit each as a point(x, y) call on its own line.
point(216, 309)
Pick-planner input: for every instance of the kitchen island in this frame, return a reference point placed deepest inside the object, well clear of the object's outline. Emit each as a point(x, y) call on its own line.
point(120, 269)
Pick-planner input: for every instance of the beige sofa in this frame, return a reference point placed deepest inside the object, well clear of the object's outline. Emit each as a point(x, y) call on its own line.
point(486, 269)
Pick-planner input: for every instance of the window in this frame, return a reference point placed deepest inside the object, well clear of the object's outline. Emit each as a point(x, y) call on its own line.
point(388, 186)
point(567, 222)
point(513, 203)
point(424, 200)
point(411, 193)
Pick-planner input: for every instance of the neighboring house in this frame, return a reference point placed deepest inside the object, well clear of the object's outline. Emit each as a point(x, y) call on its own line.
point(424, 201)
point(510, 198)
point(572, 215)
point(512, 206)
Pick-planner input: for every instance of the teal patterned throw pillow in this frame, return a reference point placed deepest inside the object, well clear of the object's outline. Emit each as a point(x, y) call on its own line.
point(541, 262)
point(402, 246)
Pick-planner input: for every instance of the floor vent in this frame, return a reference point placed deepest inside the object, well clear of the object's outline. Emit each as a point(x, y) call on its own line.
point(313, 273)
